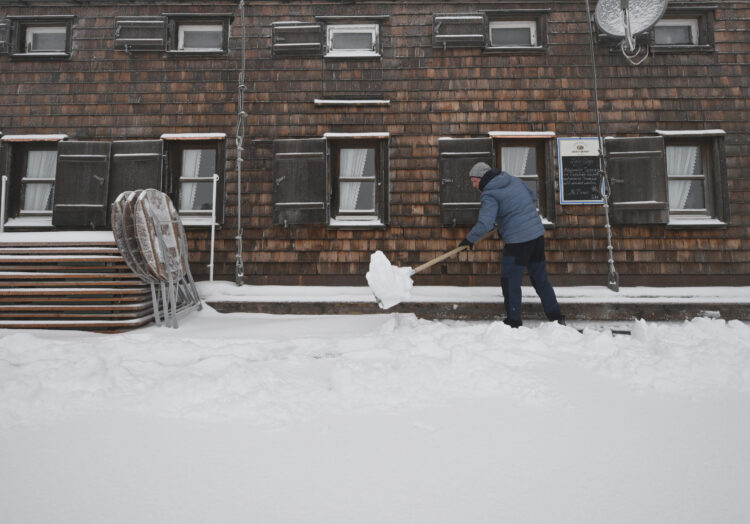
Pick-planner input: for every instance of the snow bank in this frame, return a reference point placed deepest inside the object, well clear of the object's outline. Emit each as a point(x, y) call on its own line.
point(276, 369)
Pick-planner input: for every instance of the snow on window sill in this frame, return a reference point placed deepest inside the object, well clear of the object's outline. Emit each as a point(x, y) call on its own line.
point(356, 223)
point(29, 223)
point(688, 221)
point(352, 54)
point(196, 221)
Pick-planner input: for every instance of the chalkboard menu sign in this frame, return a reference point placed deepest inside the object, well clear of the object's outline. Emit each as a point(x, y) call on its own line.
point(578, 161)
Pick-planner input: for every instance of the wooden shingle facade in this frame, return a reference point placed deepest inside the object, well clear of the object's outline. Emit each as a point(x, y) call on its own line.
point(362, 118)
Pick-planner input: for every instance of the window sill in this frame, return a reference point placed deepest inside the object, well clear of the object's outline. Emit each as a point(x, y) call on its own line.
point(39, 223)
point(197, 221)
point(700, 48)
point(352, 55)
point(532, 50)
point(38, 56)
point(695, 222)
point(356, 223)
point(195, 52)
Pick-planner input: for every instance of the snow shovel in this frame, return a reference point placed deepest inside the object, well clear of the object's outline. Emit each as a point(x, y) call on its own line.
point(391, 284)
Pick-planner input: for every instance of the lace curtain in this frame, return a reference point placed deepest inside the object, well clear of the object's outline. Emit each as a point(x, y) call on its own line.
point(40, 164)
point(680, 162)
point(352, 166)
point(515, 160)
point(191, 164)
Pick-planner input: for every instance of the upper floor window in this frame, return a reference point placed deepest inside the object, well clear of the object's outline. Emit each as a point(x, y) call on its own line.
point(513, 33)
point(200, 37)
point(683, 31)
point(352, 40)
point(503, 30)
point(36, 36)
point(46, 39)
point(685, 28)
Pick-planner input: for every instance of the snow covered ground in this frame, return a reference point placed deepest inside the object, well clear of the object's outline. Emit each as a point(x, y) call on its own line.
point(387, 418)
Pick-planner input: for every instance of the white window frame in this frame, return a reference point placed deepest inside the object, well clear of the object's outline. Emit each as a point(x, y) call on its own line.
point(33, 30)
point(210, 27)
point(531, 25)
point(372, 29)
point(692, 23)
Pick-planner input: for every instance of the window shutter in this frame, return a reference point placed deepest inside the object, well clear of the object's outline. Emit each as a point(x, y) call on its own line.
point(4, 35)
point(638, 177)
point(296, 38)
point(459, 201)
point(299, 181)
point(457, 30)
point(140, 33)
point(136, 164)
point(81, 184)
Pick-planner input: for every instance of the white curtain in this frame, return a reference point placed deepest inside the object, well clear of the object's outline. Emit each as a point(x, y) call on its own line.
point(680, 162)
point(352, 166)
point(40, 164)
point(191, 163)
point(515, 160)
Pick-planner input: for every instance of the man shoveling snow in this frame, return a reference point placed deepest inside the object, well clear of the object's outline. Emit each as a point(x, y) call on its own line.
point(509, 203)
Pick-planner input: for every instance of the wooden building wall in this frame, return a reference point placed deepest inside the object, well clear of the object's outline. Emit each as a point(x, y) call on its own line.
point(104, 94)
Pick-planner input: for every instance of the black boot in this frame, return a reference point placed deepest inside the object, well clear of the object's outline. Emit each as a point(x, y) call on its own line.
point(512, 323)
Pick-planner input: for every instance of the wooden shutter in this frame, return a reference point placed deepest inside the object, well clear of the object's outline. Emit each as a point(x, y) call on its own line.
point(459, 201)
point(459, 30)
point(291, 39)
point(299, 181)
point(136, 164)
point(81, 184)
point(4, 35)
point(637, 172)
point(140, 33)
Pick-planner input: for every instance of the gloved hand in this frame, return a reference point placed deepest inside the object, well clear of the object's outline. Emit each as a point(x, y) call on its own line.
point(465, 242)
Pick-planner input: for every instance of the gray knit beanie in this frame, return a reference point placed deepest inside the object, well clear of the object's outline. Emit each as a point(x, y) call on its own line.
point(479, 169)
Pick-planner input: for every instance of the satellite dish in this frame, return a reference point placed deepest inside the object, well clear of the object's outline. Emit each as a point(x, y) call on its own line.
point(626, 18)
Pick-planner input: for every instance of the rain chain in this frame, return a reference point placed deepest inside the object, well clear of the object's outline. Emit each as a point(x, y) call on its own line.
point(240, 135)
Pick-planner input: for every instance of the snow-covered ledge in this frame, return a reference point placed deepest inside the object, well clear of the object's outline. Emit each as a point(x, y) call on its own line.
point(692, 221)
point(376, 134)
point(359, 102)
point(34, 138)
point(522, 134)
point(690, 132)
point(193, 136)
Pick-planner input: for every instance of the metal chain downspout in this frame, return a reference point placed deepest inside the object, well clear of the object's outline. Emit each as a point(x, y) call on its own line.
point(613, 279)
point(240, 136)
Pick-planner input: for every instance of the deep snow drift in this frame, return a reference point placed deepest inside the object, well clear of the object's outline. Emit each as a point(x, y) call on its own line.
point(375, 418)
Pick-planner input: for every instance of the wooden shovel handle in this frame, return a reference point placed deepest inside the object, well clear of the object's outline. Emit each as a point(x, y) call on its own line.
point(449, 254)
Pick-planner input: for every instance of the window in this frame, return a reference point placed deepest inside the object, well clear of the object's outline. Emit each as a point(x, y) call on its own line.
point(30, 162)
point(46, 39)
point(355, 179)
point(525, 159)
point(38, 182)
point(193, 161)
point(685, 28)
point(140, 33)
point(458, 30)
point(200, 37)
point(197, 33)
point(297, 39)
point(459, 201)
point(350, 191)
point(36, 36)
point(687, 178)
point(677, 178)
point(352, 40)
point(676, 32)
point(521, 33)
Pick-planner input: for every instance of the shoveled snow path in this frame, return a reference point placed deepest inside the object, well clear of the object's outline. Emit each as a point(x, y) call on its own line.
point(380, 418)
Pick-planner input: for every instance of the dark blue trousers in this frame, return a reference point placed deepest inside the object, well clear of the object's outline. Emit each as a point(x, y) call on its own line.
point(517, 259)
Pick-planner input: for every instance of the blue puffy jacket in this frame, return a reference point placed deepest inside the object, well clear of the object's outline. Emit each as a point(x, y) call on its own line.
point(507, 201)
